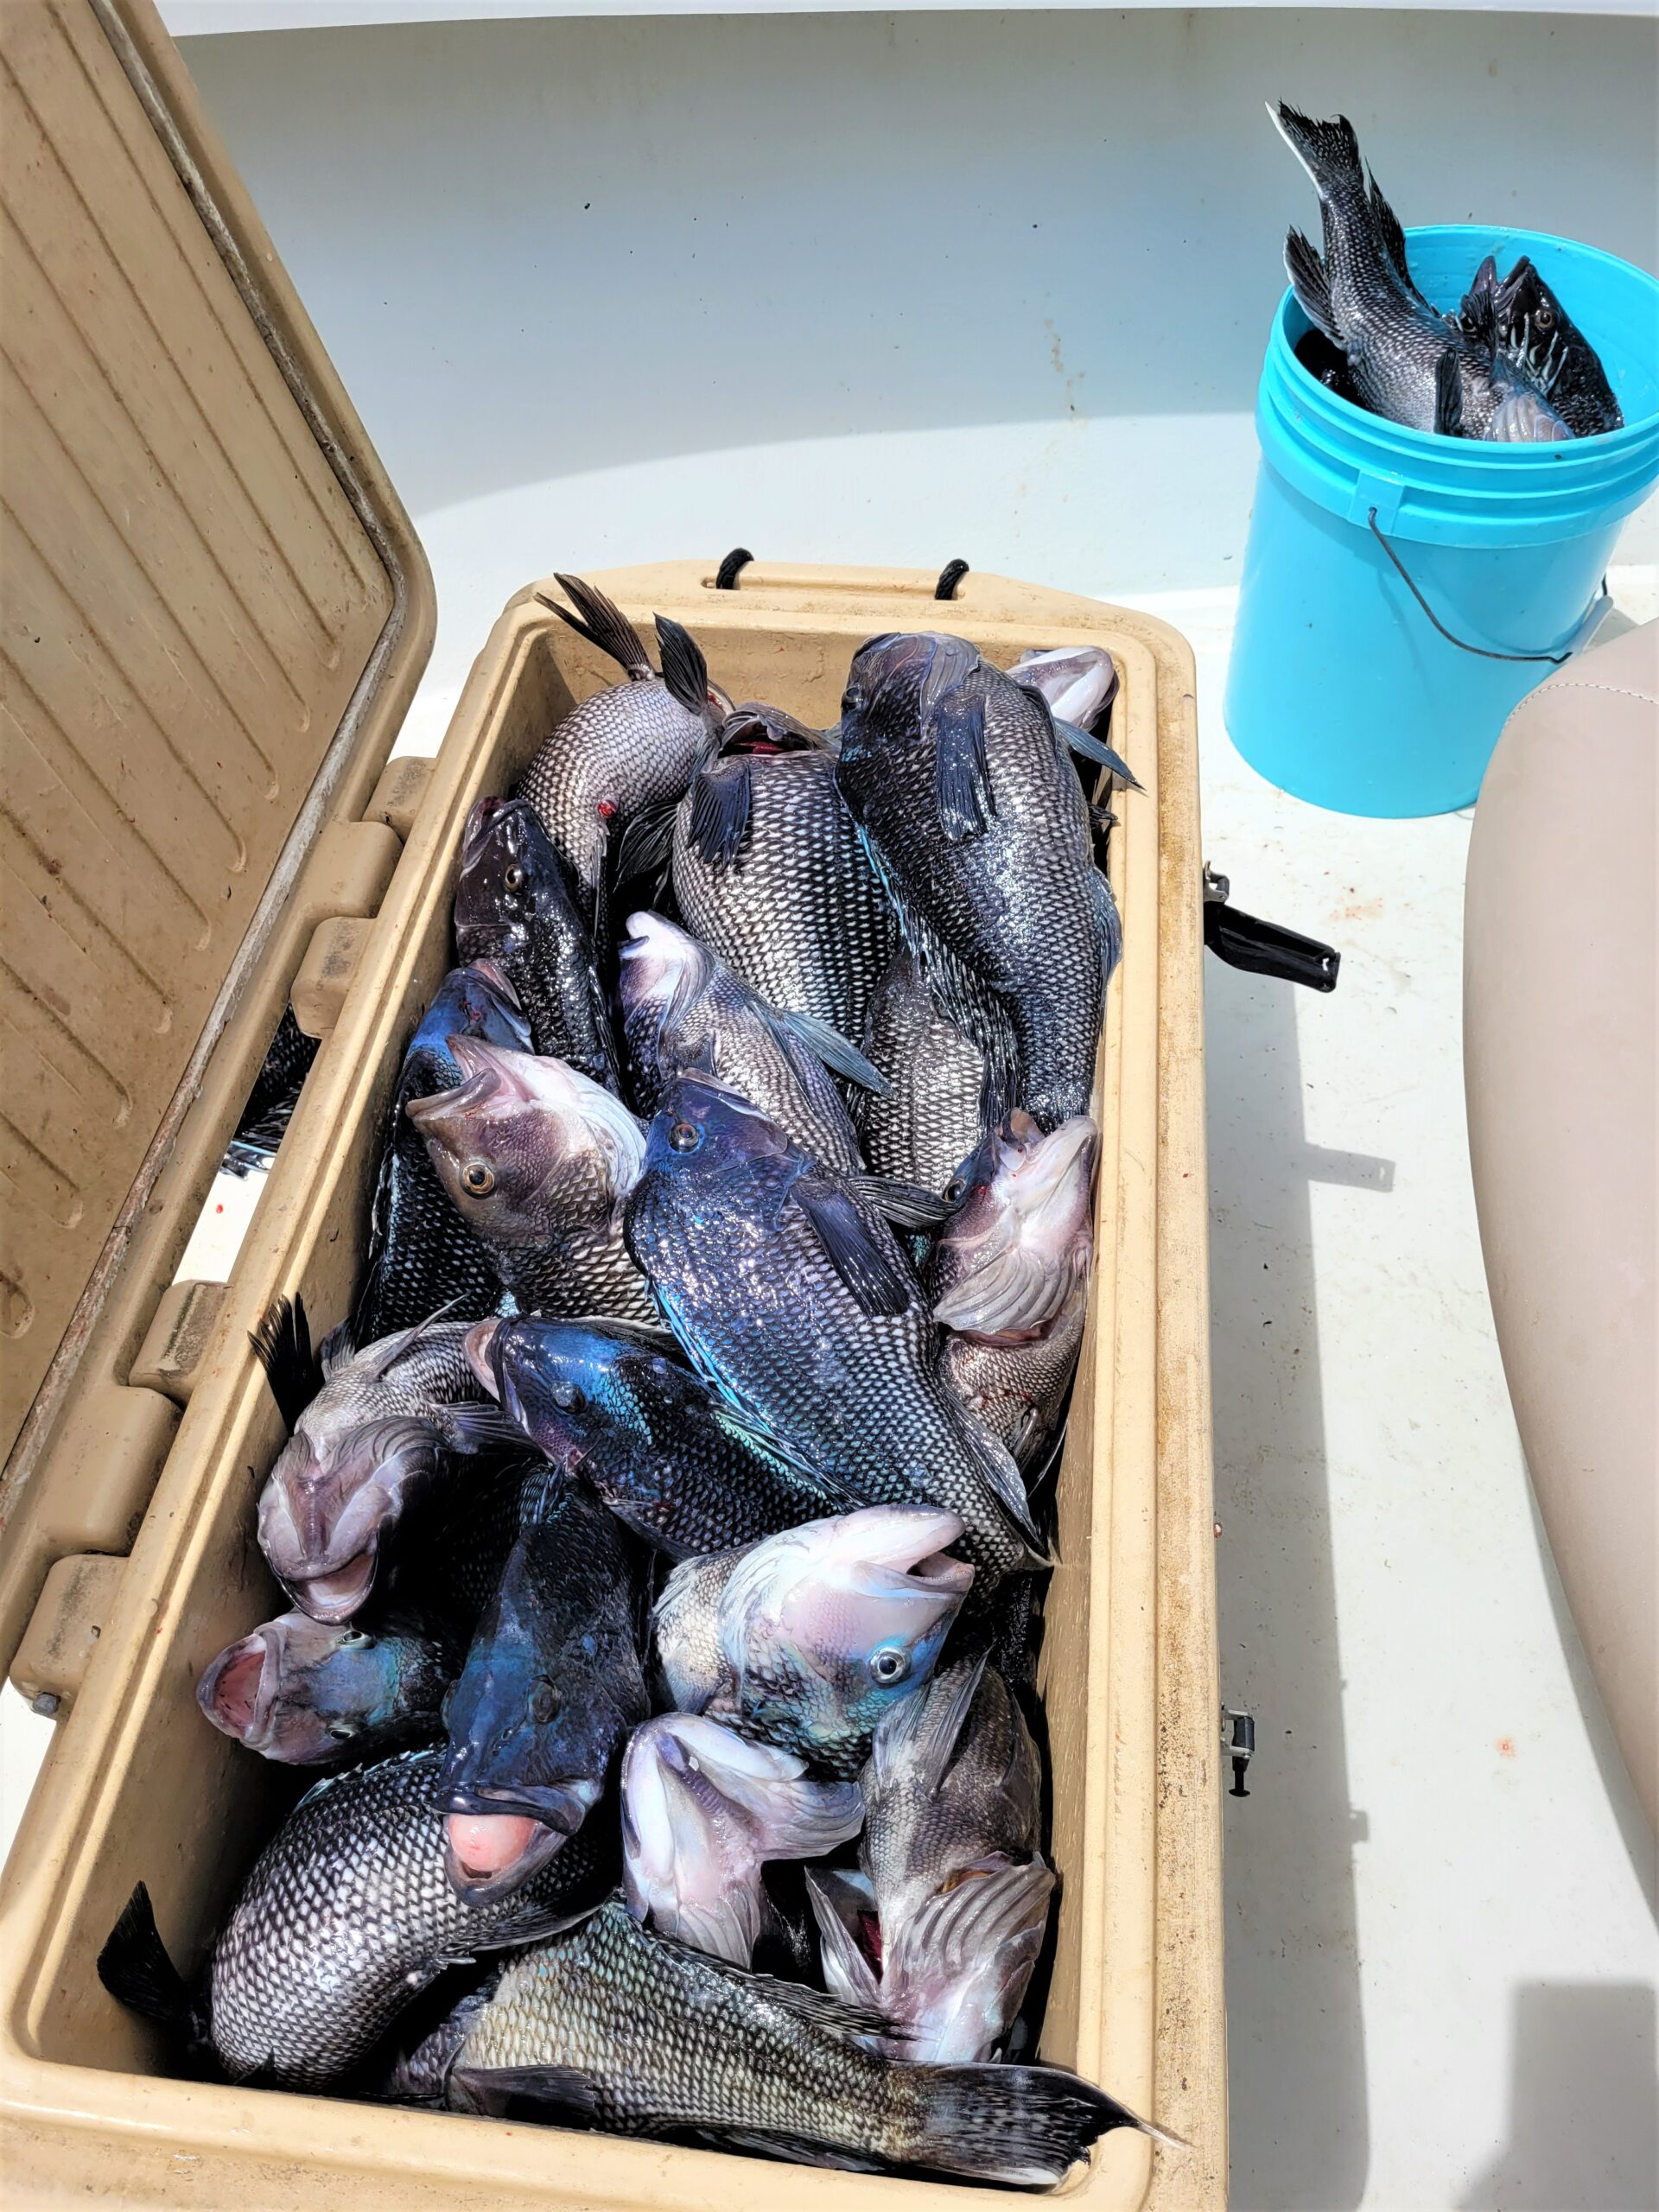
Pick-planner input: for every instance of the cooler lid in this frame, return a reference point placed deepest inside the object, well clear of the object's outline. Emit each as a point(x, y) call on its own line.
point(214, 612)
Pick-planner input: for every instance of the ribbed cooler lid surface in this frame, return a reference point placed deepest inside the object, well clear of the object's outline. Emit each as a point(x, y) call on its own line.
point(191, 601)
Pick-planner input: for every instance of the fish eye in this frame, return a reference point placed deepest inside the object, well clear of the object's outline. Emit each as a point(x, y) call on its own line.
point(514, 878)
point(343, 1731)
point(957, 1189)
point(477, 1179)
point(889, 1664)
point(566, 1397)
point(1544, 318)
point(356, 1639)
point(685, 1136)
point(543, 1702)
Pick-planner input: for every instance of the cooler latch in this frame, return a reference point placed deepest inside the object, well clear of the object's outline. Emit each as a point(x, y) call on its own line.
point(1263, 948)
point(1238, 1744)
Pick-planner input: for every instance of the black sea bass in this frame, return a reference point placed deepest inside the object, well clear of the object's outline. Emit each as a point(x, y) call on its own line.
point(976, 820)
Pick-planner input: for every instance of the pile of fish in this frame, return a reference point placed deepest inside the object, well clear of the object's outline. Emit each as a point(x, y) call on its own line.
point(1511, 365)
point(659, 1532)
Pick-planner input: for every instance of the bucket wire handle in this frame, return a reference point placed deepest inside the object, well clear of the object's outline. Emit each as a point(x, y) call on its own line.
point(1555, 660)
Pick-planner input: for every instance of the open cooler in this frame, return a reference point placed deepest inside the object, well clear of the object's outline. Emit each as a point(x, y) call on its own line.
point(216, 613)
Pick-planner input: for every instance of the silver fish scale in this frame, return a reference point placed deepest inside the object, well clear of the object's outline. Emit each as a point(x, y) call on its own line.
point(930, 1119)
point(349, 1913)
point(988, 1800)
point(664, 2038)
point(854, 1395)
point(1016, 1389)
point(790, 1086)
point(433, 1373)
point(630, 748)
point(1016, 907)
point(799, 914)
point(575, 1270)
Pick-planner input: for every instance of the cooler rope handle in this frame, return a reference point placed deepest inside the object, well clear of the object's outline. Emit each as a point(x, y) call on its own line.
point(1555, 660)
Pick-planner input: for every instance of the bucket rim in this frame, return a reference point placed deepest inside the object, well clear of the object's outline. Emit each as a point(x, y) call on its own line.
point(1579, 455)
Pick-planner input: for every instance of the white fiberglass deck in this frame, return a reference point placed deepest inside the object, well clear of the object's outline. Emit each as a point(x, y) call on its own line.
point(707, 316)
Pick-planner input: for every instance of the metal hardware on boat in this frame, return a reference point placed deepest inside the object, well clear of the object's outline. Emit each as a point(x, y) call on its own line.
point(1239, 1741)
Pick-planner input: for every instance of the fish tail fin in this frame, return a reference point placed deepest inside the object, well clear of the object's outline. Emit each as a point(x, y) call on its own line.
point(685, 670)
point(1328, 151)
point(1025, 2125)
point(134, 1967)
point(602, 622)
point(1311, 284)
point(281, 1344)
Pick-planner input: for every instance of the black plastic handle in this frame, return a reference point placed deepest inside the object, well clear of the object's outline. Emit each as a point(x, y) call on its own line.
point(1263, 949)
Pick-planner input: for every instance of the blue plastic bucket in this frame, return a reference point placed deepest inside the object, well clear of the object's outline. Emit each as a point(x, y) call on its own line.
point(1340, 689)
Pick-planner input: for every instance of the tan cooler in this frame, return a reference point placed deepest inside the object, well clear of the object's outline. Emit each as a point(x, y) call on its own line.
point(216, 615)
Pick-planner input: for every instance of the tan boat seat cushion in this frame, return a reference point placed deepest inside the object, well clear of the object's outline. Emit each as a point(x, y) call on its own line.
point(1558, 1062)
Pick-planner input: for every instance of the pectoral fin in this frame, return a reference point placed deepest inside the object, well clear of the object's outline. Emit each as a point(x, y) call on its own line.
point(1091, 749)
point(1448, 397)
point(962, 773)
point(722, 799)
point(1312, 286)
point(874, 1276)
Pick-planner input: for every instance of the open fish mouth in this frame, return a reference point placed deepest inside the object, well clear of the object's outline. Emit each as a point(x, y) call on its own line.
point(491, 1083)
point(1040, 1168)
point(747, 733)
point(908, 1555)
point(498, 1084)
point(492, 1843)
point(338, 1594)
point(881, 1569)
point(497, 979)
point(485, 823)
point(478, 828)
point(1020, 1252)
point(237, 1692)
